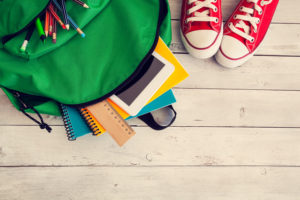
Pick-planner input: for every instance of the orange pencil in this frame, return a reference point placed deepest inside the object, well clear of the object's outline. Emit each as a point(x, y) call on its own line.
point(56, 17)
point(46, 28)
point(50, 24)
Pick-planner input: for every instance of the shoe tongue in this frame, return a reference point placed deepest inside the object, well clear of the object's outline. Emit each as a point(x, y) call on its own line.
point(247, 5)
point(201, 25)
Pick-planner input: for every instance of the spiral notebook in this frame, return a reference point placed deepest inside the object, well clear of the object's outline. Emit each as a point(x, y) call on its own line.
point(76, 126)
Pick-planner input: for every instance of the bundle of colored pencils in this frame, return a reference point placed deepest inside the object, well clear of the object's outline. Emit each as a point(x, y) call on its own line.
point(51, 20)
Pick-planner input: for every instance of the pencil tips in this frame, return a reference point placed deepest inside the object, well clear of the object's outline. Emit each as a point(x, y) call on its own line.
point(86, 6)
point(63, 26)
point(82, 35)
point(67, 26)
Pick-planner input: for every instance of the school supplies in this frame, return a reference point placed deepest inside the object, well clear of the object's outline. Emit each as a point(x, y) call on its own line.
point(56, 17)
point(81, 3)
point(64, 12)
point(133, 98)
point(111, 120)
point(27, 38)
point(179, 73)
point(50, 23)
point(97, 62)
point(73, 24)
point(54, 34)
point(74, 124)
point(40, 29)
point(46, 23)
point(92, 122)
point(162, 101)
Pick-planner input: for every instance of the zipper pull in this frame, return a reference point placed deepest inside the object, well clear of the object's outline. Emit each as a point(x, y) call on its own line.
point(24, 106)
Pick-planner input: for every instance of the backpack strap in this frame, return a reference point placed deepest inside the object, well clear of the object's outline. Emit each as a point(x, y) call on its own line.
point(151, 122)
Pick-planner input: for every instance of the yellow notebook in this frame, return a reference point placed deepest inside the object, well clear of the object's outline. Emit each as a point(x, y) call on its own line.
point(179, 73)
point(91, 121)
point(177, 76)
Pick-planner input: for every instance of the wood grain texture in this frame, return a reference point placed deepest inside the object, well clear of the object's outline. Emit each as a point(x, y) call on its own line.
point(203, 107)
point(288, 11)
point(190, 146)
point(158, 183)
point(259, 73)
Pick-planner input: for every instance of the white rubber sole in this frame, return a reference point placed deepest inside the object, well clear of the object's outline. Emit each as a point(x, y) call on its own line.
point(229, 63)
point(205, 53)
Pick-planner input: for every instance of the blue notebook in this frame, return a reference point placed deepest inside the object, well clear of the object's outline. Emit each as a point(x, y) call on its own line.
point(76, 126)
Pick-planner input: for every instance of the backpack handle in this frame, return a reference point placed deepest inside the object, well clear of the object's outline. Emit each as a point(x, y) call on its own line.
point(152, 123)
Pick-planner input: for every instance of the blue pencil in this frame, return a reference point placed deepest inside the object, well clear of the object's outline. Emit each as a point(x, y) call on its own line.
point(73, 24)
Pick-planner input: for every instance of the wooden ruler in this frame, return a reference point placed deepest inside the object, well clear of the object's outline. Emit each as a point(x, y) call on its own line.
point(111, 120)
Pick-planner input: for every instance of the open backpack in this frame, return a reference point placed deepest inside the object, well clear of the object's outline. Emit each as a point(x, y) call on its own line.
point(120, 38)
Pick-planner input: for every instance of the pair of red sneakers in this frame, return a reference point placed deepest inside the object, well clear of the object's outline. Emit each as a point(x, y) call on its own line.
point(203, 34)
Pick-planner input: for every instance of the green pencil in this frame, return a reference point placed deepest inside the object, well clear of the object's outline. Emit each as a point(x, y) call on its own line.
point(40, 29)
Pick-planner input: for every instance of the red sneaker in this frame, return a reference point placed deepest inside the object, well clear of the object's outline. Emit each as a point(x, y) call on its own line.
point(201, 27)
point(245, 30)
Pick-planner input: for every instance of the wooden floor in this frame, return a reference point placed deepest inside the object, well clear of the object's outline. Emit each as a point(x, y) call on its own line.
point(237, 135)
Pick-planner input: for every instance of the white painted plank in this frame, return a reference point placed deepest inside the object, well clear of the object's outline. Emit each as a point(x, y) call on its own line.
point(202, 107)
point(261, 73)
point(28, 146)
point(282, 39)
point(168, 183)
point(237, 108)
point(288, 11)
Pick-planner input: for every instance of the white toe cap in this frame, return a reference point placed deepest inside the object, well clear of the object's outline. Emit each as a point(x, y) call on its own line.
point(233, 48)
point(202, 38)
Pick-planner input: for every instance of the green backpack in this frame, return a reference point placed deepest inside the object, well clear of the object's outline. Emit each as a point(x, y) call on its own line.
point(120, 38)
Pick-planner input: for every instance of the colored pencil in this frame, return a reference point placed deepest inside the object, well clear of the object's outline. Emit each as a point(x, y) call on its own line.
point(56, 17)
point(46, 27)
point(73, 24)
point(81, 3)
point(50, 24)
point(27, 38)
point(64, 12)
point(40, 29)
point(54, 34)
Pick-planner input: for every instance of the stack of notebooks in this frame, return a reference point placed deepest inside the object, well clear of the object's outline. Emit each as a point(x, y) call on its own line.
point(152, 91)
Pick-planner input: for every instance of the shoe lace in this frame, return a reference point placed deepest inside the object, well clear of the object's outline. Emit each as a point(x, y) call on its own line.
point(253, 21)
point(204, 15)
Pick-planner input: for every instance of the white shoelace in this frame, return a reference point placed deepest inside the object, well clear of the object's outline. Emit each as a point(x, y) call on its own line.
point(202, 16)
point(254, 21)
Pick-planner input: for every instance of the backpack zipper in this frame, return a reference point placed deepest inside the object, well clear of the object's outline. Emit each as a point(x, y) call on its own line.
point(6, 38)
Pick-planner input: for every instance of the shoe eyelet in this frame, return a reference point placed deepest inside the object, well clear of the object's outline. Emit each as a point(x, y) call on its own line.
point(215, 9)
point(186, 22)
point(241, 8)
point(215, 1)
point(252, 40)
point(216, 20)
point(235, 16)
point(257, 22)
point(260, 12)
